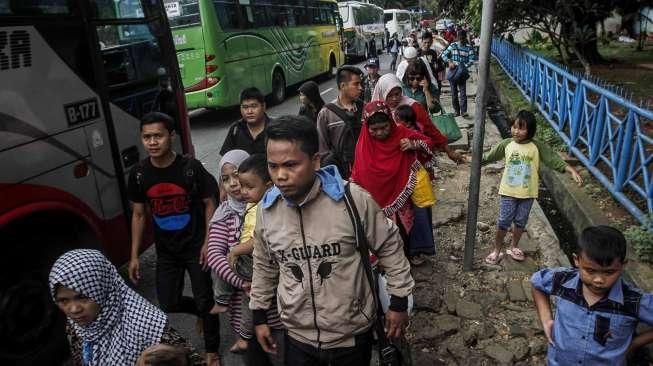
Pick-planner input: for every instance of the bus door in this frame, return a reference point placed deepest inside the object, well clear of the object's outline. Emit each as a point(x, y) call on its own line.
point(137, 68)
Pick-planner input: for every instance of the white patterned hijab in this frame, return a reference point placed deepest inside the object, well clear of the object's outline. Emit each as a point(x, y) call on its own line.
point(127, 323)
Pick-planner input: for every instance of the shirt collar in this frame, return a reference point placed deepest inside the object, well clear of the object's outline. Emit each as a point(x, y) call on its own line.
point(616, 292)
point(327, 180)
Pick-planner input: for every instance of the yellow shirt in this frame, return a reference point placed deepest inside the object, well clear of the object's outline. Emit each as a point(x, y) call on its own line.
point(249, 222)
point(520, 175)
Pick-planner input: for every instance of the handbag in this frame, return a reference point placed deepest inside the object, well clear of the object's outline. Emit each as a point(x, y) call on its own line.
point(423, 193)
point(446, 123)
point(458, 75)
point(389, 354)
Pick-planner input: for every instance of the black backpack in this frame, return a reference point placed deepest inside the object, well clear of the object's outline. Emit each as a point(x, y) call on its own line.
point(341, 154)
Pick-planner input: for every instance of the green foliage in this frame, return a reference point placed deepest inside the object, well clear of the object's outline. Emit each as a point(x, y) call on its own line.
point(473, 13)
point(641, 239)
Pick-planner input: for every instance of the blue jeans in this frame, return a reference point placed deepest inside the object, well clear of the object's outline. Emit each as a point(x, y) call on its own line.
point(459, 106)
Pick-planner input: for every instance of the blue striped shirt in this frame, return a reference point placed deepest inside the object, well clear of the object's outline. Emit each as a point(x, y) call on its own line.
point(459, 54)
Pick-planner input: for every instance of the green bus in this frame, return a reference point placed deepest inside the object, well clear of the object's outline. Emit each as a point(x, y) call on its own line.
point(224, 46)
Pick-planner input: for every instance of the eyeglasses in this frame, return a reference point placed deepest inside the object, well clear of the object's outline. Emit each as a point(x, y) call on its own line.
point(413, 78)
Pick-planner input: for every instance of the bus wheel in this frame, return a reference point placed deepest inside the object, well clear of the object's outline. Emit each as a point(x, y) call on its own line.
point(278, 87)
point(332, 65)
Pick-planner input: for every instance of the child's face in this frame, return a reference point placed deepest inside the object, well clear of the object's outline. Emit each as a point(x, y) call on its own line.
point(229, 180)
point(596, 278)
point(252, 187)
point(372, 70)
point(302, 99)
point(77, 307)
point(519, 131)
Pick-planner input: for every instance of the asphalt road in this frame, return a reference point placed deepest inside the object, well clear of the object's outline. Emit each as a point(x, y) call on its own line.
point(208, 128)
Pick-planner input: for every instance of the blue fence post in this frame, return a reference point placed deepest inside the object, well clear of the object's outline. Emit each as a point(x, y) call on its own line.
point(625, 152)
point(597, 130)
point(576, 117)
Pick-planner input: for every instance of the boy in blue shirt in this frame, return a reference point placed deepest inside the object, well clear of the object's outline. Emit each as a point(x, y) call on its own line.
point(596, 310)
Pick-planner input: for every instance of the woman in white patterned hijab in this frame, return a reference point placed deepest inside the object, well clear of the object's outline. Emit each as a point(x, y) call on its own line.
point(113, 322)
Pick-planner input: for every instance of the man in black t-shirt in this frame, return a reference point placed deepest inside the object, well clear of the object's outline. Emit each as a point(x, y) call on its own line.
point(248, 133)
point(431, 56)
point(180, 195)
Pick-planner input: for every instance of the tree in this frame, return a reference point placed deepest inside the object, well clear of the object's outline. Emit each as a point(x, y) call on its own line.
point(570, 24)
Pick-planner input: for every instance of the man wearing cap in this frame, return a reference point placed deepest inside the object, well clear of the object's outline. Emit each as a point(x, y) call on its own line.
point(411, 55)
point(369, 80)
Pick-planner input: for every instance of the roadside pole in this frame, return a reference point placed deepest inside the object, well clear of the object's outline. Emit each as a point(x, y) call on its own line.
point(487, 19)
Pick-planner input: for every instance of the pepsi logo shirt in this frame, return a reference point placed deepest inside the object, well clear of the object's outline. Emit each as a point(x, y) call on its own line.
point(174, 196)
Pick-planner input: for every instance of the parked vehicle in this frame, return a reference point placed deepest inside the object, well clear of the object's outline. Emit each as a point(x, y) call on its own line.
point(364, 33)
point(224, 46)
point(397, 21)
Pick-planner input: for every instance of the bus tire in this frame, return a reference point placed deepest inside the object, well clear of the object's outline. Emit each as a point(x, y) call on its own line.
point(332, 66)
point(34, 322)
point(278, 87)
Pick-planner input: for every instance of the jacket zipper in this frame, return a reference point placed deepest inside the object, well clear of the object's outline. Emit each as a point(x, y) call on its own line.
point(310, 277)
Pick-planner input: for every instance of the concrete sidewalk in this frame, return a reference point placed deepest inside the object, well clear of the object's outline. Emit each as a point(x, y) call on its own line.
point(486, 316)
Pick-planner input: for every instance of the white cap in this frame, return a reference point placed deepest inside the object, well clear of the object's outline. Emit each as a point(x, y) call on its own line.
point(410, 52)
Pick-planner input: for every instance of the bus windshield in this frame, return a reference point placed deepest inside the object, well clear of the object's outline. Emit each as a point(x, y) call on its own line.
point(182, 13)
point(387, 17)
point(367, 15)
point(403, 17)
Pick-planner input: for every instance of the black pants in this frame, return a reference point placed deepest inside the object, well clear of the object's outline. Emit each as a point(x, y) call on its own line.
point(300, 354)
point(256, 356)
point(170, 270)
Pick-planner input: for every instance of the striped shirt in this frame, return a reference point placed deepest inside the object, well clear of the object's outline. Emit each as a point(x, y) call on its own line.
point(223, 235)
point(459, 54)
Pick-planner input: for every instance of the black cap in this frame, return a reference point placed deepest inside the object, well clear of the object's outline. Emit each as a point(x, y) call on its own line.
point(373, 62)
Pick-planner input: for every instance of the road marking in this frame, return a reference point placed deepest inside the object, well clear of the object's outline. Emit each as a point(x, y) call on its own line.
point(326, 91)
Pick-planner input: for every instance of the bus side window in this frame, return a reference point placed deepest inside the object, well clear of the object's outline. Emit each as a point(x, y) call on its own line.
point(227, 12)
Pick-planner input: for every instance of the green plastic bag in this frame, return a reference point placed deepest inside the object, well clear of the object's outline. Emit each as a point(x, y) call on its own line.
point(446, 123)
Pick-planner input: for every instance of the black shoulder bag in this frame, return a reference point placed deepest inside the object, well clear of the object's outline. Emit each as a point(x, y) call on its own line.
point(389, 354)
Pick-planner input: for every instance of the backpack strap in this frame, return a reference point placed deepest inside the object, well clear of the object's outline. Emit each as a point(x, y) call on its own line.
point(338, 111)
point(387, 353)
point(190, 176)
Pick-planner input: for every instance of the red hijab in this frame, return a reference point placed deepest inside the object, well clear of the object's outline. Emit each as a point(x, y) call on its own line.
point(380, 167)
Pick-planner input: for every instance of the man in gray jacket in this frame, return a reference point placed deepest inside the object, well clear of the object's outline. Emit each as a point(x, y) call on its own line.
point(305, 257)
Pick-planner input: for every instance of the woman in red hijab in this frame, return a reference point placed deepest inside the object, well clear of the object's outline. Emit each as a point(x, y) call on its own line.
point(387, 157)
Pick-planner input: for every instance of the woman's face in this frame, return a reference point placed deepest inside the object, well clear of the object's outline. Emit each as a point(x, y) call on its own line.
point(414, 80)
point(393, 98)
point(77, 307)
point(380, 130)
point(230, 182)
point(302, 99)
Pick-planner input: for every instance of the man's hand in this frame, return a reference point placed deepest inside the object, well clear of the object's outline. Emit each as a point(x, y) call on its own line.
point(134, 270)
point(452, 65)
point(395, 322)
point(203, 256)
point(265, 339)
point(548, 330)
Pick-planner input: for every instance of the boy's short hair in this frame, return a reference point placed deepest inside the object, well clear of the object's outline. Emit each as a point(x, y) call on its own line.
point(346, 72)
point(296, 129)
point(529, 119)
point(252, 93)
point(602, 244)
point(257, 164)
point(427, 35)
point(166, 355)
point(158, 117)
point(406, 113)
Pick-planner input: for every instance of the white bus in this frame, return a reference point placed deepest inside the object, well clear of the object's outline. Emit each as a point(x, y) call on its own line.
point(75, 78)
point(397, 21)
point(364, 32)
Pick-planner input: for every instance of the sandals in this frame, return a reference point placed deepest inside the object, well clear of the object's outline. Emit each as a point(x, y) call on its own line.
point(494, 258)
point(516, 254)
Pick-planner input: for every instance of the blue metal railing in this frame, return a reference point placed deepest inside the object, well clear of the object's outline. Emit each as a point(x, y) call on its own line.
point(605, 131)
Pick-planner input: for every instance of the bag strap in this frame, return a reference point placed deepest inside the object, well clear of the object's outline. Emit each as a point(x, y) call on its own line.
point(386, 350)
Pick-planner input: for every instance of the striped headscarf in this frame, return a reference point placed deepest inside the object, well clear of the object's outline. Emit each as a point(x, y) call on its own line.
point(127, 323)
